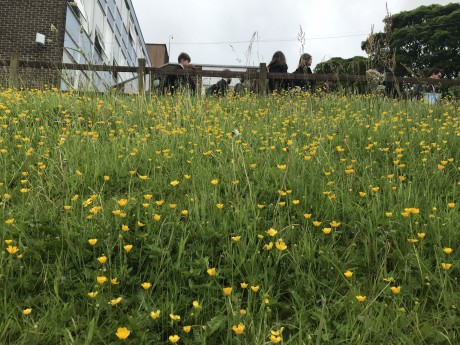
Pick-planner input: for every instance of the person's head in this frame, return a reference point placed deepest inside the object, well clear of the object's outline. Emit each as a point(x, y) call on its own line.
point(435, 73)
point(305, 60)
point(278, 58)
point(184, 59)
point(229, 80)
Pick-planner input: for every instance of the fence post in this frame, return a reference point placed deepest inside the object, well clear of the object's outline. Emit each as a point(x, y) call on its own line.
point(141, 76)
point(263, 78)
point(14, 71)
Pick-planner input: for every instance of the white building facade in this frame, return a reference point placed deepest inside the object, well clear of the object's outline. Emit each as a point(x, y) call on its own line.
point(102, 32)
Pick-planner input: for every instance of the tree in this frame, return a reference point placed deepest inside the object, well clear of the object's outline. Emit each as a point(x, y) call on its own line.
point(426, 37)
point(336, 65)
point(355, 66)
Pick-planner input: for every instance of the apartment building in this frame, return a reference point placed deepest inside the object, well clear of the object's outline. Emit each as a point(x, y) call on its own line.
point(94, 32)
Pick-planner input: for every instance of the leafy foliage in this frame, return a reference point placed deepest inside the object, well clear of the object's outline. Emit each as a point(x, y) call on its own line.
point(423, 38)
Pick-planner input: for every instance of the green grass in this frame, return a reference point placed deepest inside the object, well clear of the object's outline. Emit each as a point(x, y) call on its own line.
point(75, 167)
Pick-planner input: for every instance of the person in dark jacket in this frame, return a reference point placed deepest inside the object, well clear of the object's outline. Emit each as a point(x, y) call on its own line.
point(221, 87)
point(277, 65)
point(302, 69)
point(175, 82)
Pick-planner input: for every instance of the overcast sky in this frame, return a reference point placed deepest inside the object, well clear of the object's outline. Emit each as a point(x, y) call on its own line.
point(220, 32)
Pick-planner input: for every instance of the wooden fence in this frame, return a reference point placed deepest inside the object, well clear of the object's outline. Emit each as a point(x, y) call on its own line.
point(259, 74)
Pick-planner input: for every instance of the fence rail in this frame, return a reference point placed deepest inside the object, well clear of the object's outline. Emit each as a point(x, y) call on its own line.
point(259, 73)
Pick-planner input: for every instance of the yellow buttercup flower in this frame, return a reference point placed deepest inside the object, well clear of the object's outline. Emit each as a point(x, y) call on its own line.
point(128, 247)
point(115, 301)
point(146, 285)
point(12, 249)
point(174, 317)
point(446, 266)
point(27, 311)
point(327, 230)
point(122, 333)
point(239, 329)
point(412, 210)
point(243, 285)
point(447, 250)
point(220, 206)
point(102, 259)
point(268, 246)
point(187, 329)
point(211, 271)
point(215, 182)
point(124, 227)
point(236, 238)
point(174, 338)
point(9, 221)
point(174, 183)
point(395, 289)
point(155, 314)
point(196, 305)
point(307, 215)
point(271, 232)
point(255, 288)
point(227, 290)
point(361, 298)
point(101, 280)
point(122, 202)
point(156, 217)
point(280, 245)
point(92, 294)
point(348, 274)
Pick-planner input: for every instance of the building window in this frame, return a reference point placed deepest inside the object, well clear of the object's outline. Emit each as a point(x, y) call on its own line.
point(98, 46)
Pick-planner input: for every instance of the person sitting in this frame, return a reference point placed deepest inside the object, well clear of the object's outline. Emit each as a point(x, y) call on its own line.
point(303, 68)
point(277, 65)
point(221, 87)
point(176, 82)
point(244, 86)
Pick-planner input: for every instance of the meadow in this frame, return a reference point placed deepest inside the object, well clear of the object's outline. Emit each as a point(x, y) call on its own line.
point(290, 219)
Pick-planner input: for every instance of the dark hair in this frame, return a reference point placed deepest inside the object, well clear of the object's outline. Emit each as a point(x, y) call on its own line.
point(304, 58)
point(277, 59)
point(435, 71)
point(183, 56)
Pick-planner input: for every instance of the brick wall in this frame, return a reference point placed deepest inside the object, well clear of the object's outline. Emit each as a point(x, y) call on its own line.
point(20, 20)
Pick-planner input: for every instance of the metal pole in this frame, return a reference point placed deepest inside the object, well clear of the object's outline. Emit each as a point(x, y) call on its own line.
point(169, 46)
